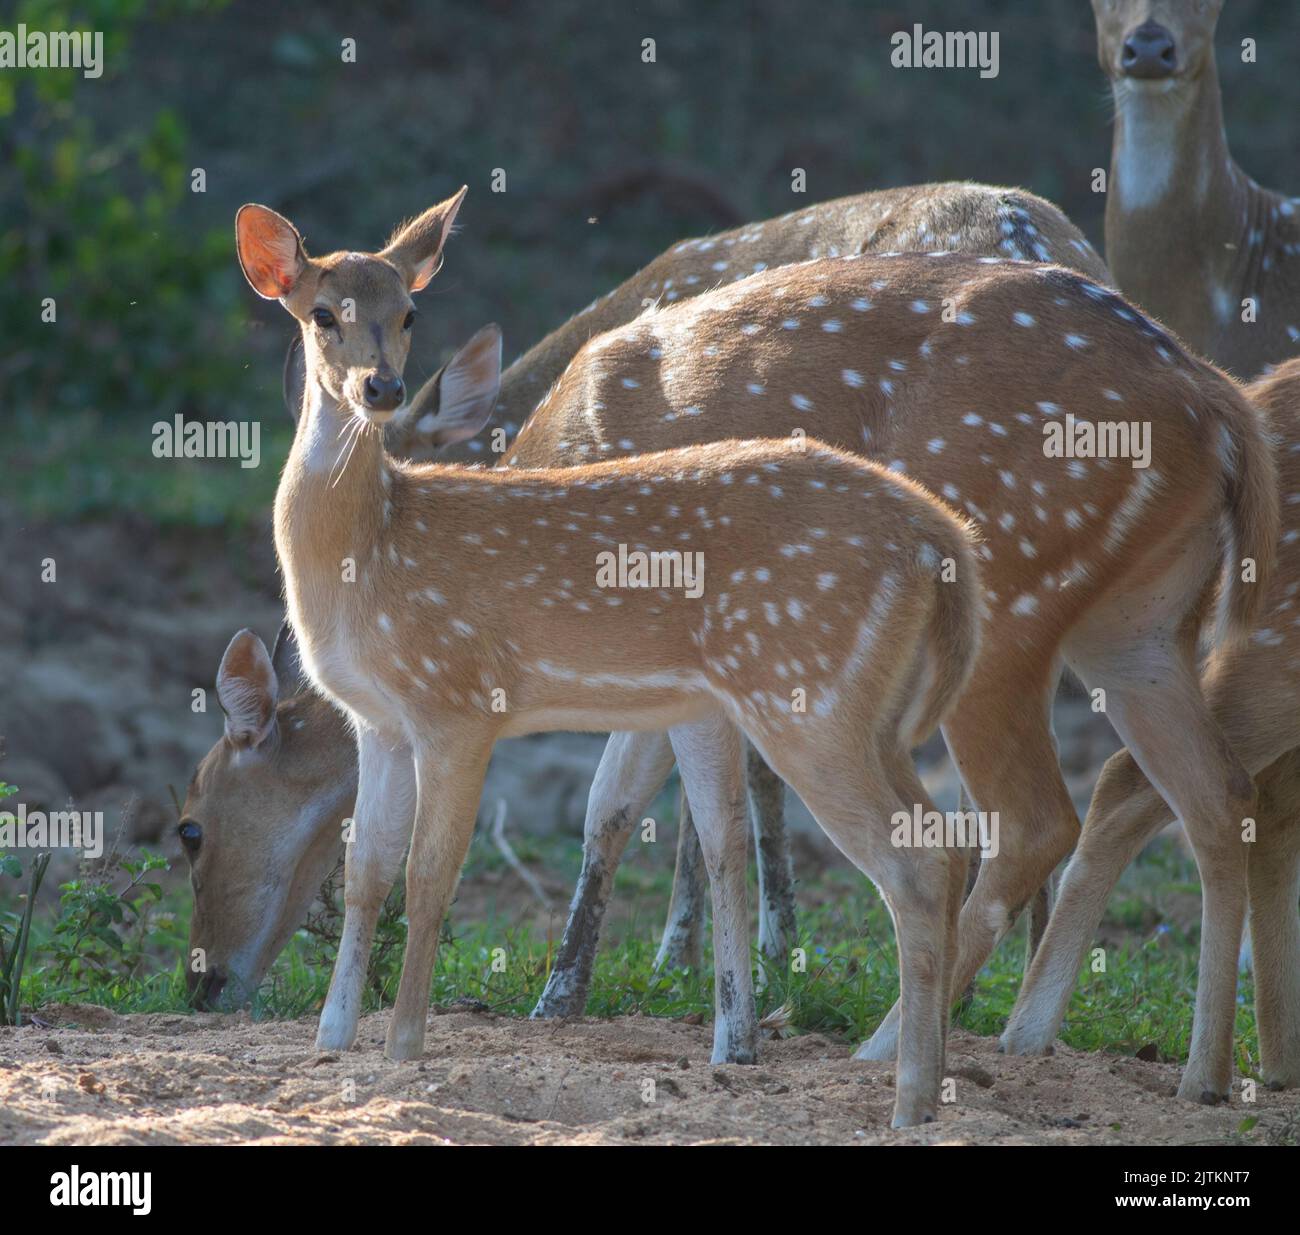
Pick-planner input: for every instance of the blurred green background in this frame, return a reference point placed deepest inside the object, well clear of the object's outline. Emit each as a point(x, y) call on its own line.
point(607, 161)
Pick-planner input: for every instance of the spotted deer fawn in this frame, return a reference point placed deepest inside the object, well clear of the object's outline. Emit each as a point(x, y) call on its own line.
point(262, 819)
point(1253, 688)
point(441, 608)
point(1188, 234)
point(959, 372)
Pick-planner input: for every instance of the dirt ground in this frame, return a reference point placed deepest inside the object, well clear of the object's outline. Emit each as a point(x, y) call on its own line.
point(92, 1077)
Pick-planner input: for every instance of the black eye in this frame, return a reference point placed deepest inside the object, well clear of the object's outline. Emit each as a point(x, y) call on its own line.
point(410, 320)
point(323, 318)
point(191, 835)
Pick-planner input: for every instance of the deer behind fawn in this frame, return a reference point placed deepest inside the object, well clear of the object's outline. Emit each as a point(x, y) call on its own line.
point(420, 599)
point(261, 825)
point(1254, 691)
point(960, 373)
point(1188, 234)
point(967, 218)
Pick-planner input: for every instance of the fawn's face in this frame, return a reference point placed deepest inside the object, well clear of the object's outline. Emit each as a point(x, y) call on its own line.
point(1155, 44)
point(355, 309)
point(262, 822)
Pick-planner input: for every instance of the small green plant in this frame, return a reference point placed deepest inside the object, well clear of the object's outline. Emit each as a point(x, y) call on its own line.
point(104, 936)
point(13, 955)
point(325, 929)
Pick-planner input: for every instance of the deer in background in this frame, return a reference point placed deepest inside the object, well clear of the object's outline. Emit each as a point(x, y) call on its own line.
point(1253, 688)
point(1189, 235)
point(474, 589)
point(957, 215)
point(263, 813)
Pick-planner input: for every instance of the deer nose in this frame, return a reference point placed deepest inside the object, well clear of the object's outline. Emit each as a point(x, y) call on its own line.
point(383, 392)
point(205, 992)
point(1149, 52)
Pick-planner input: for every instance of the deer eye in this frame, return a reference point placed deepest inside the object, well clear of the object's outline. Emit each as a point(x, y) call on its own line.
point(410, 320)
point(323, 318)
point(191, 835)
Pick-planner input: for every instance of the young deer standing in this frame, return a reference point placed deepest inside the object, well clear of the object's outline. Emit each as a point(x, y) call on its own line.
point(261, 821)
point(1254, 691)
point(1189, 235)
point(442, 608)
point(953, 371)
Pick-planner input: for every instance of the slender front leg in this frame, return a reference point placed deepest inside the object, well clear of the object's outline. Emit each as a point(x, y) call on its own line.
point(709, 757)
point(632, 771)
point(381, 831)
point(449, 770)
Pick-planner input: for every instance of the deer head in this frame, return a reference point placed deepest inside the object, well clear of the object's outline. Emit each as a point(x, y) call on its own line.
point(262, 821)
point(355, 312)
point(1154, 45)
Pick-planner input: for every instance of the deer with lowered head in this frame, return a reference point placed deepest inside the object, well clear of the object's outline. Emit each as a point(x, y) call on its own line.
point(1189, 235)
point(261, 828)
point(440, 608)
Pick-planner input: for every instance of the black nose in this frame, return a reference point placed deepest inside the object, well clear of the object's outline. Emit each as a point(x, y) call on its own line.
point(1149, 52)
point(383, 393)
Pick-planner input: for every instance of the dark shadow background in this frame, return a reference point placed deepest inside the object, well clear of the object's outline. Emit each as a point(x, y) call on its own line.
point(607, 161)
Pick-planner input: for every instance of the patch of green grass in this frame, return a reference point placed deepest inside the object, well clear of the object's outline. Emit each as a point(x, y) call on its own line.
point(847, 982)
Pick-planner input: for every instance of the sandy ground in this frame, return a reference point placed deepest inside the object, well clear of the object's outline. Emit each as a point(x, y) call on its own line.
point(92, 1077)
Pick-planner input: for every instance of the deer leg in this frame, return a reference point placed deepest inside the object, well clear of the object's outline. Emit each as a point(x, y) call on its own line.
point(1124, 814)
point(1003, 748)
point(709, 757)
point(632, 771)
point(381, 831)
point(776, 912)
point(682, 946)
point(921, 887)
point(1273, 887)
point(449, 772)
point(1040, 913)
point(1195, 770)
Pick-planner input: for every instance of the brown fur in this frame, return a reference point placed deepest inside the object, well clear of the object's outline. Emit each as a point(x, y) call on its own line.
point(1191, 245)
point(1121, 592)
point(1254, 690)
point(968, 218)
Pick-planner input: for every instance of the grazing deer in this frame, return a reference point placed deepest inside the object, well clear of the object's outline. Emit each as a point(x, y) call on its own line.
point(1253, 688)
point(1189, 235)
point(441, 608)
point(265, 817)
point(958, 372)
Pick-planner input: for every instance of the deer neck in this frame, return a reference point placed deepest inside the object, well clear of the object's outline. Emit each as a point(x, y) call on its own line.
point(332, 504)
point(1178, 208)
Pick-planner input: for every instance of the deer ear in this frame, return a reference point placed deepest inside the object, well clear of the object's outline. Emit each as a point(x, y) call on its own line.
point(467, 389)
point(287, 662)
point(295, 377)
point(415, 248)
point(247, 690)
point(270, 251)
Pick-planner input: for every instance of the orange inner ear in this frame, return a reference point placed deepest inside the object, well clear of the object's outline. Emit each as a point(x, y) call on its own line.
point(268, 253)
